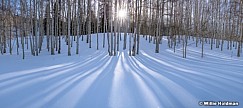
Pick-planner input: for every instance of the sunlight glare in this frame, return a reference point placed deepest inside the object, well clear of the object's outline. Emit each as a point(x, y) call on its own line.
point(122, 13)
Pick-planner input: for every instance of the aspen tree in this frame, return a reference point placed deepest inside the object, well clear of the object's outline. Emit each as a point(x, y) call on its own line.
point(69, 28)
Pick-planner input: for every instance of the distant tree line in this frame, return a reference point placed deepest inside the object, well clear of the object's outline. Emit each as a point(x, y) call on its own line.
point(31, 22)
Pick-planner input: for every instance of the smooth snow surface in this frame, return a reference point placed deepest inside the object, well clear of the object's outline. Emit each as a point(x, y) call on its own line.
point(93, 79)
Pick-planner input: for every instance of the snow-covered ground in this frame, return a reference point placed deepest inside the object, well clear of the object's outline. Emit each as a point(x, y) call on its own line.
point(93, 79)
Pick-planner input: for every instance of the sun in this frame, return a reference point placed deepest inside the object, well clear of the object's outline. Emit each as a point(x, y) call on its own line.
point(122, 14)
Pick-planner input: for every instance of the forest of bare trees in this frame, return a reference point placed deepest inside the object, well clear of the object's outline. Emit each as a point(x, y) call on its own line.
point(29, 23)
